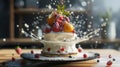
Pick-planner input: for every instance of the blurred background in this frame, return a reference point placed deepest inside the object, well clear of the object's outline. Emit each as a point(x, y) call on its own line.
point(22, 20)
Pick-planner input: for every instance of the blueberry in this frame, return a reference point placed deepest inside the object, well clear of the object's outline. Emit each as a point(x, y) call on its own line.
point(98, 61)
point(42, 38)
point(70, 56)
point(113, 59)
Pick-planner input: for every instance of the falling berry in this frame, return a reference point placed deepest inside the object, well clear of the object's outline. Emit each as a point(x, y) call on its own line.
point(32, 52)
point(84, 55)
point(37, 55)
point(62, 49)
point(18, 50)
point(13, 58)
point(48, 49)
point(109, 63)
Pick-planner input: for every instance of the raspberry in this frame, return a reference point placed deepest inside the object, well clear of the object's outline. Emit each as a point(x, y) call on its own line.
point(37, 55)
point(62, 49)
point(79, 50)
point(48, 49)
point(84, 55)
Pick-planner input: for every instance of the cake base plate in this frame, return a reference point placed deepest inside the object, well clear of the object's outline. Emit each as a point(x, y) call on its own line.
point(79, 57)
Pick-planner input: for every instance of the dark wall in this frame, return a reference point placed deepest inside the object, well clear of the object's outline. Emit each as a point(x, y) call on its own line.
point(4, 18)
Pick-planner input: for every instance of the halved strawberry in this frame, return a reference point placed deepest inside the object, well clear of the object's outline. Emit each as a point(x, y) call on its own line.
point(18, 50)
point(109, 63)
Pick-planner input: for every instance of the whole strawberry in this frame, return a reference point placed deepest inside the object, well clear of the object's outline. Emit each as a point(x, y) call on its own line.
point(79, 50)
point(59, 19)
point(18, 50)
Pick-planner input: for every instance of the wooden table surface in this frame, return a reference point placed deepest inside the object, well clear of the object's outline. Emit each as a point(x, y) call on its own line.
point(6, 54)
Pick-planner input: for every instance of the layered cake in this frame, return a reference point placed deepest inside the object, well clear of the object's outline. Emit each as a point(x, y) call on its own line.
point(59, 35)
